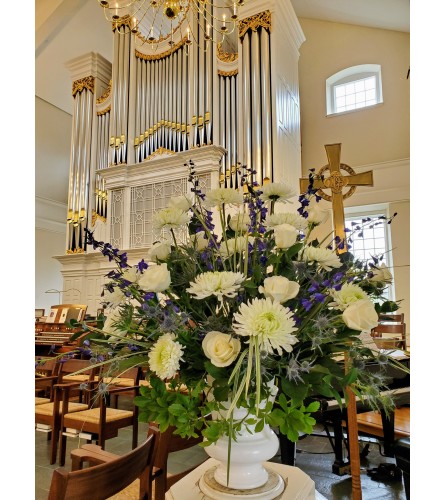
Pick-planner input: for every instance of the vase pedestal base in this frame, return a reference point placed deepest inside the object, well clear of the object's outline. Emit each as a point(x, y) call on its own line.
point(269, 491)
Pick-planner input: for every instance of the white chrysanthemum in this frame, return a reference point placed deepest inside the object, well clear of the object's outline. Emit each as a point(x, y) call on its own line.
point(271, 322)
point(277, 191)
point(222, 284)
point(114, 298)
point(240, 222)
point(184, 202)
point(229, 247)
point(293, 219)
point(348, 294)
point(326, 258)
point(223, 196)
point(170, 218)
point(165, 355)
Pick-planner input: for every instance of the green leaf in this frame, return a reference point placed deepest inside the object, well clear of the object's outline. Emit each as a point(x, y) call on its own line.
point(176, 409)
point(297, 392)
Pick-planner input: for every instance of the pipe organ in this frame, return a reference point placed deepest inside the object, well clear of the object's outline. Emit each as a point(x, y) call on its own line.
point(159, 104)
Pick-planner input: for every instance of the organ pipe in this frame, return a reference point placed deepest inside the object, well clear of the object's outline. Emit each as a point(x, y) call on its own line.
point(266, 125)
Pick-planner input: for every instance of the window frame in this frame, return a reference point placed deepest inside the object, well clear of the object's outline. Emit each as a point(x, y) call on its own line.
point(349, 75)
point(361, 212)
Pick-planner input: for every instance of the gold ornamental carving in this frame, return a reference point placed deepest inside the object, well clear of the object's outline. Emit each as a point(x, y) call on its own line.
point(156, 57)
point(160, 151)
point(225, 56)
point(104, 111)
point(228, 73)
point(105, 95)
point(260, 20)
point(95, 217)
point(76, 251)
point(83, 83)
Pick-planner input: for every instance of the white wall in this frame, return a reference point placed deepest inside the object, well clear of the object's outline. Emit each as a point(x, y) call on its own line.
point(52, 156)
point(374, 139)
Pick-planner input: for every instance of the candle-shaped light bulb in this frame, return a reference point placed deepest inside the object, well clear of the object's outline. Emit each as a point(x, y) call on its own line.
point(188, 33)
point(235, 9)
point(208, 30)
point(224, 21)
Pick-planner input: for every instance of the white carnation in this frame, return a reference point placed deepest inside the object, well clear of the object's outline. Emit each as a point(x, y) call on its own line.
point(165, 355)
point(268, 321)
point(221, 284)
point(170, 218)
point(293, 219)
point(223, 196)
point(277, 191)
point(327, 259)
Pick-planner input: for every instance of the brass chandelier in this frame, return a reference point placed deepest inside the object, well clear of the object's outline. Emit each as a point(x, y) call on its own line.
point(153, 21)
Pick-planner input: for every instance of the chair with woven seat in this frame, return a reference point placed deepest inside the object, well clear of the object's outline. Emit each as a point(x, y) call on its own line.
point(110, 476)
point(117, 379)
point(48, 417)
point(390, 335)
point(99, 422)
point(46, 375)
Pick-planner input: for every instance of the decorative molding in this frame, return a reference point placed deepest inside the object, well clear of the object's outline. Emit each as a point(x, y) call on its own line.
point(227, 73)
point(104, 111)
point(105, 95)
point(95, 217)
point(156, 57)
point(160, 151)
point(225, 56)
point(83, 83)
point(260, 20)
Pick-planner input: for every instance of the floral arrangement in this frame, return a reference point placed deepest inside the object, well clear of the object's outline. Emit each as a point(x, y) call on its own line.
point(251, 299)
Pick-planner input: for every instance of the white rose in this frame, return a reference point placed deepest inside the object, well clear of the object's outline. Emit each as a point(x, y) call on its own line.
point(347, 295)
point(198, 241)
point(285, 235)
point(240, 222)
point(113, 316)
point(279, 288)
point(114, 298)
point(159, 251)
point(131, 274)
point(361, 316)
point(156, 278)
point(381, 273)
point(221, 348)
point(316, 214)
point(183, 202)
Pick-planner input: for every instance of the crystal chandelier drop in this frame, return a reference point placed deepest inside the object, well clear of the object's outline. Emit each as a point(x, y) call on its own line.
point(153, 21)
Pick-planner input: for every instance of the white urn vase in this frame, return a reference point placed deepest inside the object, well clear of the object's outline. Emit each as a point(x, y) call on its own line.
point(246, 472)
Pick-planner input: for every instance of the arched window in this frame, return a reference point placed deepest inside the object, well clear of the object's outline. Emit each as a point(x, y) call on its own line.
point(354, 88)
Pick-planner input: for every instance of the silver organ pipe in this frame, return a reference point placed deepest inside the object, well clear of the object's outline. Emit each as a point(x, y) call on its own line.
point(73, 160)
point(148, 99)
point(222, 128)
point(208, 94)
point(152, 108)
point(142, 110)
point(138, 106)
point(201, 83)
point(246, 102)
point(179, 117)
point(125, 87)
point(117, 141)
point(233, 129)
point(173, 117)
point(266, 124)
point(256, 106)
point(186, 96)
point(228, 122)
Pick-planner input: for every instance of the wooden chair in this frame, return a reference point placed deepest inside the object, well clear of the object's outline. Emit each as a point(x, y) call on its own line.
point(390, 336)
point(46, 375)
point(166, 443)
point(99, 422)
point(48, 417)
point(121, 379)
point(112, 475)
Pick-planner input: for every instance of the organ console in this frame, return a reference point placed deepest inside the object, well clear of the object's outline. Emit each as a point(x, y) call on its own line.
point(54, 334)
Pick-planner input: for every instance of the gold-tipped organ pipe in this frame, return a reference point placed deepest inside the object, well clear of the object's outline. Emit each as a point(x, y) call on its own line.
point(73, 162)
point(125, 86)
point(228, 122)
point(86, 174)
point(266, 105)
point(256, 105)
point(138, 158)
point(233, 126)
point(246, 101)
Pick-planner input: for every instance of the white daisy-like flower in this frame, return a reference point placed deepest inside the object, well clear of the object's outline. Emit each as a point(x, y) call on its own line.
point(277, 191)
point(348, 294)
point(271, 322)
point(165, 355)
point(293, 219)
point(219, 283)
point(327, 259)
point(223, 196)
point(114, 298)
point(184, 202)
point(170, 218)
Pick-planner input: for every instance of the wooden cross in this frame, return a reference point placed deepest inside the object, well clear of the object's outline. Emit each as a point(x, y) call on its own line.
point(336, 182)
